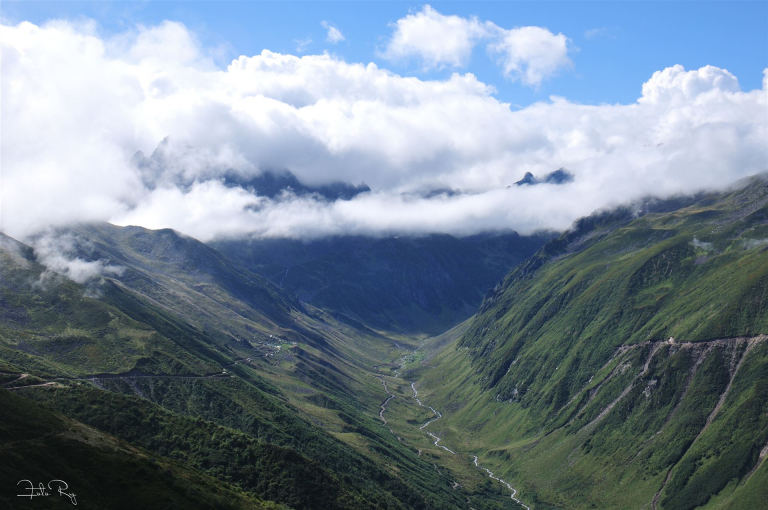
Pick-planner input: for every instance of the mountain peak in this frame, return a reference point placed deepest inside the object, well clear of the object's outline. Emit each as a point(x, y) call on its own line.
point(559, 176)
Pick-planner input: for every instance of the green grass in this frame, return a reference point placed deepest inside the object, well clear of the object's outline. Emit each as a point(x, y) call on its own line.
point(300, 428)
point(541, 361)
point(102, 471)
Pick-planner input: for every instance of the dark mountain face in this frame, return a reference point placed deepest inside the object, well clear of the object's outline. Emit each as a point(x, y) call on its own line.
point(528, 178)
point(154, 261)
point(272, 184)
point(413, 284)
point(560, 176)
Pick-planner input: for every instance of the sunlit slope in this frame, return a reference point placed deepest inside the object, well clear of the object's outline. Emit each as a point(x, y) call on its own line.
point(626, 364)
point(698, 273)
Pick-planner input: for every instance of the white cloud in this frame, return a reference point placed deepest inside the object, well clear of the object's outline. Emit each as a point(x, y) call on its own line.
point(601, 33)
point(211, 210)
point(334, 34)
point(676, 85)
point(702, 244)
point(528, 54)
point(437, 40)
point(531, 54)
point(76, 107)
point(302, 44)
point(594, 33)
point(63, 254)
point(168, 42)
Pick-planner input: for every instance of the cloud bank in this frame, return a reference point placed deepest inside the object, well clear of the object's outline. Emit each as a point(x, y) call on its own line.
point(76, 106)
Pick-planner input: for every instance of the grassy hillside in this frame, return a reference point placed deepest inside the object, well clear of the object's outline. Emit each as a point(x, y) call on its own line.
point(189, 356)
point(625, 365)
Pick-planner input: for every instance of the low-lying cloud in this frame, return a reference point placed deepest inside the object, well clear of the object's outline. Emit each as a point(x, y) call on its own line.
point(755, 243)
point(206, 211)
point(76, 106)
point(702, 245)
point(62, 254)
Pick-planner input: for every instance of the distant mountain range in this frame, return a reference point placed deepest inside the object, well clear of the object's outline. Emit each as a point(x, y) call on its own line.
point(271, 184)
point(161, 166)
point(561, 176)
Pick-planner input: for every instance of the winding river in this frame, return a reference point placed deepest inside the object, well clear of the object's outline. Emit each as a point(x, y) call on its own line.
point(437, 439)
point(439, 415)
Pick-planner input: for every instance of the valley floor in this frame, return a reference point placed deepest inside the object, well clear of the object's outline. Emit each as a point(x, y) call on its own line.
point(383, 388)
point(454, 444)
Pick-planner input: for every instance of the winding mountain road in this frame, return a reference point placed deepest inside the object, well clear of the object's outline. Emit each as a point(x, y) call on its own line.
point(143, 375)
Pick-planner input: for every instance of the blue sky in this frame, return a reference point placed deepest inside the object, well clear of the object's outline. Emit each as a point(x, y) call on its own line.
point(630, 40)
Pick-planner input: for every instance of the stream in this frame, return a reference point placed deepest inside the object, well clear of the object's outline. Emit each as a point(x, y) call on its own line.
point(514, 491)
point(439, 415)
point(437, 439)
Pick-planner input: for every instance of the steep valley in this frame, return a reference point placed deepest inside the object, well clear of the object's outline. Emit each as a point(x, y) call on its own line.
point(623, 364)
point(190, 358)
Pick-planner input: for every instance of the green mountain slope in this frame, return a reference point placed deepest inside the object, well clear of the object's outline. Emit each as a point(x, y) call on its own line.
point(407, 284)
point(100, 471)
point(187, 355)
point(626, 364)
